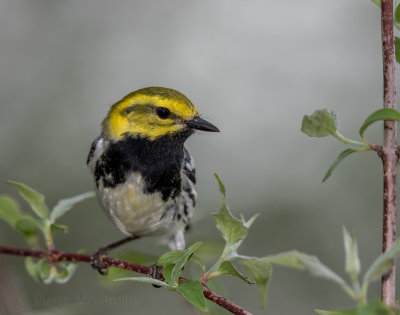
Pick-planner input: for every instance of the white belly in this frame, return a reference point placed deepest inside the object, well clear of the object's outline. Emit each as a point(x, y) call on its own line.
point(134, 212)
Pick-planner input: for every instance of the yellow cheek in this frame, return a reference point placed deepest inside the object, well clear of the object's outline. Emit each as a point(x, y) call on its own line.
point(117, 126)
point(154, 132)
point(151, 127)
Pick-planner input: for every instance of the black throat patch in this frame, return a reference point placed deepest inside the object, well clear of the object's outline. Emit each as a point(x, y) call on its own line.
point(158, 161)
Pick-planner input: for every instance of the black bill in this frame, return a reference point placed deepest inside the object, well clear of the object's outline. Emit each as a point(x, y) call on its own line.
point(201, 124)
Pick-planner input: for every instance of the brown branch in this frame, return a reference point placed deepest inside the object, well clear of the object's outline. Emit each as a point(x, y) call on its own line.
point(57, 256)
point(389, 154)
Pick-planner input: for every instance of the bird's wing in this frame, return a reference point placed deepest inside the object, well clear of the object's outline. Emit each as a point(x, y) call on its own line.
point(188, 166)
point(96, 150)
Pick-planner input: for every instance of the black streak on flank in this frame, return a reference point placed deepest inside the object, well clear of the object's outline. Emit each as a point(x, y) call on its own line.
point(158, 161)
point(191, 195)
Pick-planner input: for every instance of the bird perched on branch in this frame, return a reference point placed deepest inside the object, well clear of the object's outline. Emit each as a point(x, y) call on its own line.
point(143, 174)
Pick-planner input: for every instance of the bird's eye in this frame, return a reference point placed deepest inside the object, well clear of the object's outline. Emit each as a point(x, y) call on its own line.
point(163, 112)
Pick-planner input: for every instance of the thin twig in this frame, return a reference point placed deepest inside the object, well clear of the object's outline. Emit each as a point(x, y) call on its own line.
point(389, 154)
point(57, 256)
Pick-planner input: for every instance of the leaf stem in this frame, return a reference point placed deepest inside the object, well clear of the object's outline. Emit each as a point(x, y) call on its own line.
point(48, 235)
point(215, 267)
point(209, 276)
point(343, 139)
point(357, 287)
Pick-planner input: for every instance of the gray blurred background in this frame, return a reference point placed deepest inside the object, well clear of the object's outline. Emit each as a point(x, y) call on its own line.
point(253, 68)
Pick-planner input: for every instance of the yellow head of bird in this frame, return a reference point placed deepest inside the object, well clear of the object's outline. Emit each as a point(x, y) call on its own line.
point(151, 113)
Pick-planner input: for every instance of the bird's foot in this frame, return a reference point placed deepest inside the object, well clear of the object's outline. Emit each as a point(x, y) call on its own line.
point(96, 261)
point(155, 272)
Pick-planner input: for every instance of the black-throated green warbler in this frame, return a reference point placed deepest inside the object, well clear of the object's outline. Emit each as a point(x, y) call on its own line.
point(144, 176)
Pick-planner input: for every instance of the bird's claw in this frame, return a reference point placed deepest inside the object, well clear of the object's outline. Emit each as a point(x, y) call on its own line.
point(155, 272)
point(96, 261)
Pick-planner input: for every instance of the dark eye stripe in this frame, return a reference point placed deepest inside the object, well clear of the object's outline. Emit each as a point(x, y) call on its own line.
point(148, 109)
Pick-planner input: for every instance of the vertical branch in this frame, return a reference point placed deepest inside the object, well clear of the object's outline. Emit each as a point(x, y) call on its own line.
point(389, 150)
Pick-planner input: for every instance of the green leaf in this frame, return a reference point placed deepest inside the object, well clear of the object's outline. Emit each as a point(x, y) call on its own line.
point(170, 257)
point(47, 273)
point(40, 270)
point(176, 271)
point(30, 266)
point(228, 268)
point(221, 186)
point(260, 272)
point(320, 124)
point(67, 270)
point(197, 260)
point(374, 307)
point(146, 280)
point(381, 114)
point(248, 223)
point(58, 227)
point(352, 261)
point(377, 2)
point(298, 260)
point(9, 210)
point(287, 259)
point(32, 240)
point(382, 263)
point(173, 256)
point(232, 229)
point(193, 292)
point(318, 269)
point(397, 17)
point(33, 198)
point(397, 47)
point(341, 156)
point(66, 204)
point(211, 249)
point(167, 271)
point(29, 227)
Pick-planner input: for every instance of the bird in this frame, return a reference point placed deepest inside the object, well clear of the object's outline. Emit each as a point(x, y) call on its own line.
point(144, 177)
